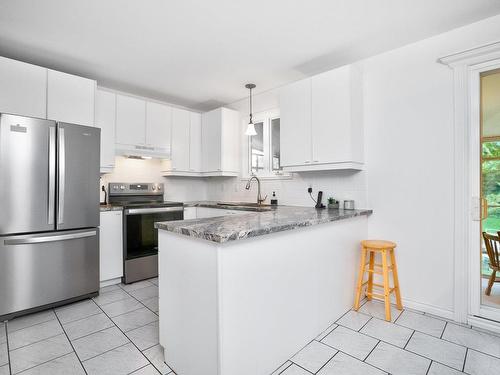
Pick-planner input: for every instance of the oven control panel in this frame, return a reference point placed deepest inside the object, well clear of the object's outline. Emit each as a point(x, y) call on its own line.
point(127, 188)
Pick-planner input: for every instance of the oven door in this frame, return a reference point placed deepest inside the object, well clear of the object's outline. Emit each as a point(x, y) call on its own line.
point(140, 235)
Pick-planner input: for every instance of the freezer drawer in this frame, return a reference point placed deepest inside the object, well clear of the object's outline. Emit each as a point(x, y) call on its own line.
point(43, 269)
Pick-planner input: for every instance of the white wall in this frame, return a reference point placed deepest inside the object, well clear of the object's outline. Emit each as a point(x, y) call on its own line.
point(409, 161)
point(409, 154)
point(176, 188)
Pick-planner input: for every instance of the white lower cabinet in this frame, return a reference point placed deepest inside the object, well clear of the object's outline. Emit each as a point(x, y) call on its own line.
point(111, 246)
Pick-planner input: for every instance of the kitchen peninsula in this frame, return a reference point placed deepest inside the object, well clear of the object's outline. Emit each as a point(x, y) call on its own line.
point(241, 294)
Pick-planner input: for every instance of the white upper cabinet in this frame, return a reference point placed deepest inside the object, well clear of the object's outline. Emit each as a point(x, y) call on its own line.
point(211, 141)
point(180, 139)
point(186, 144)
point(158, 126)
point(230, 134)
point(130, 121)
point(23, 88)
point(322, 123)
point(337, 129)
point(295, 132)
point(220, 140)
point(143, 128)
point(105, 118)
point(70, 98)
point(195, 142)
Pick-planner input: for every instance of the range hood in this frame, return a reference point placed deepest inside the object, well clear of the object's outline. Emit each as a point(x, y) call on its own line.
point(142, 151)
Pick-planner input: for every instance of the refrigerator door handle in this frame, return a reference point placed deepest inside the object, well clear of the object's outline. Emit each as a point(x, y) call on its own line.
point(25, 240)
point(52, 175)
point(62, 176)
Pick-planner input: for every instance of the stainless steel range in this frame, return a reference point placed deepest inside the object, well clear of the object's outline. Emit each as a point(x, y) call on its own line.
point(143, 205)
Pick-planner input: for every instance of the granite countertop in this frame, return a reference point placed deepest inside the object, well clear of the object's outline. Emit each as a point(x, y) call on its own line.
point(109, 207)
point(222, 229)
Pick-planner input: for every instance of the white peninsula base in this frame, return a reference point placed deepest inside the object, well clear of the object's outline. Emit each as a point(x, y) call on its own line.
point(244, 307)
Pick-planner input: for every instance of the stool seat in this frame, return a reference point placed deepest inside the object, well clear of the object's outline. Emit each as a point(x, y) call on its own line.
point(384, 249)
point(378, 244)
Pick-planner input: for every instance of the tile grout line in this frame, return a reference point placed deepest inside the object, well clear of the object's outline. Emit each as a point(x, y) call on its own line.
point(106, 351)
point(32, 325)
point(303, 368)
point(116, 316)
point(324, 364)
point(357, 359)
point(7, 342)
point(371, 351)
point(77, 320)
point(72, 347)
point(409, 338)
point(43, 363)
point(283, 370)
point(444, 329)
point(138, 300)
point(445, 340)
point(465, 359)
point(429, 367)
point(36, 342)
point(147, 359)
point(368, 321)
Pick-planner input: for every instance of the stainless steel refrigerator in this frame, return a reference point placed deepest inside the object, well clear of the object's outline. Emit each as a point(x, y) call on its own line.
point(49, 213)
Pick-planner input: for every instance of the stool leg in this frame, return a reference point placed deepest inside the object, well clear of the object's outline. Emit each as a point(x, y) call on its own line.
point(385, 272)
point(360, 279)
point(396, 281)
point(370, 276)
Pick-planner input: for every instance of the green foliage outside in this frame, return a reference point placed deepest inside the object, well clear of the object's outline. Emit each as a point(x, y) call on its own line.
point(491, 191)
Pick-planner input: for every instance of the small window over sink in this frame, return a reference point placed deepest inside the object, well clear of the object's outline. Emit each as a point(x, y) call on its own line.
point(264, 159)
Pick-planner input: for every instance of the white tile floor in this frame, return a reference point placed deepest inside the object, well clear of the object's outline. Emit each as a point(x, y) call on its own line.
point(117, 333)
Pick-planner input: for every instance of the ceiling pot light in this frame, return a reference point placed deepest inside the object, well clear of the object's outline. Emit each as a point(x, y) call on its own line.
point(251, 127)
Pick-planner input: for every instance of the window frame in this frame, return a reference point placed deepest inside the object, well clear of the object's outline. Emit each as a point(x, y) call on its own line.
point(266, 119)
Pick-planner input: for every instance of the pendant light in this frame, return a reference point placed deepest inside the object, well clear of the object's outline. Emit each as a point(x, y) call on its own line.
point(251, 127)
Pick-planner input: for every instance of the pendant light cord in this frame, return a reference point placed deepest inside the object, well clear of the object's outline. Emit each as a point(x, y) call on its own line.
point(251, 115)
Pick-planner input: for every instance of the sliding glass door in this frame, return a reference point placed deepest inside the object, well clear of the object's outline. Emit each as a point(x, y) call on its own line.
point(490, 191)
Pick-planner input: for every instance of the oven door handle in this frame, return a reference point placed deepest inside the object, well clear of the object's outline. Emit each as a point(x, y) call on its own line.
point(139, 211)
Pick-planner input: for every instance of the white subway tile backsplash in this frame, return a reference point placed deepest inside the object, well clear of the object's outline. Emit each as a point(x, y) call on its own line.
point(341, 185)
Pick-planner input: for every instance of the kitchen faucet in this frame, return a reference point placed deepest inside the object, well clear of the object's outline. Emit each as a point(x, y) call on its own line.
point(259, 196)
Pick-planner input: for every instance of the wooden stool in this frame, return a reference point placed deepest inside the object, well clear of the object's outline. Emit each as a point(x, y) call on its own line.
point(383, 247)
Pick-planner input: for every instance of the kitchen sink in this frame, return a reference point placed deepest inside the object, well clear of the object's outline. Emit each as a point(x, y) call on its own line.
point(246, 206)
point(243, 204)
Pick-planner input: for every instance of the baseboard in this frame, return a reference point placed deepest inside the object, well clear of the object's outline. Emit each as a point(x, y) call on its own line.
point(110, 282)
point(431, 309)
point(482, 323)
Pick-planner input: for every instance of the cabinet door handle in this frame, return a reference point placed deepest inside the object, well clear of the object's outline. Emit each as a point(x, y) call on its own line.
point(315, 161)
point(307, 161)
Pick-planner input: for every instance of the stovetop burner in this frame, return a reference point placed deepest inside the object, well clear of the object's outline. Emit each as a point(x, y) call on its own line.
point(134, 195)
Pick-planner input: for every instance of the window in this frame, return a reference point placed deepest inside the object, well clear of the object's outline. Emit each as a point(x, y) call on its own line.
point(257, 148)
point(264, 148)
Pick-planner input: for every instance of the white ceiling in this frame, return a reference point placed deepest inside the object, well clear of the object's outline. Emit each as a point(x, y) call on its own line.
point(201, 53)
